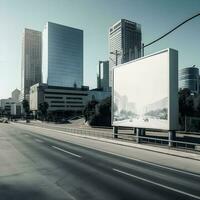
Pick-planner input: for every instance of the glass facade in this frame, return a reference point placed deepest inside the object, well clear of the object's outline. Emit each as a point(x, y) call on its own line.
point(189, 78)
point(62, 63)
point(31, 69)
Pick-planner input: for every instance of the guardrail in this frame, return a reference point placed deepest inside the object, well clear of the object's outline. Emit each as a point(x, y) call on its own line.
point(94, 133)
point(175, 144)
point(188, 146)
point(178, 145)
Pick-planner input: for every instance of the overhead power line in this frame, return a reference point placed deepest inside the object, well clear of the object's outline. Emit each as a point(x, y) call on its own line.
point(172, 30)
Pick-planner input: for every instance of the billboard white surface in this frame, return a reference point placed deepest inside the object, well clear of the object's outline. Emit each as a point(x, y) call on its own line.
point(145, 92)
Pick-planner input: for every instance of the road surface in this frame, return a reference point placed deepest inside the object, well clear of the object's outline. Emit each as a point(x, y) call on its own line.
point(34, 166)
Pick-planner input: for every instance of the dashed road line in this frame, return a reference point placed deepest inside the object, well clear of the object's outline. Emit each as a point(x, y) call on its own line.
point(38, 140)
point(68, 152)
point(157, 184)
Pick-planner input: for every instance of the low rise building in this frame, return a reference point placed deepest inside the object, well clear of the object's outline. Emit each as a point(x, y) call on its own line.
point(16, 109)
point(59, 99)
point(5, 105)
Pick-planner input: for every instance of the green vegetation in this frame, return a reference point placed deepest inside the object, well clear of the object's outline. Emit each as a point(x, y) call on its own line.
point(98, 114)
point(189, 106)
point(26, 108)
point(25, 105)
point(43, 107)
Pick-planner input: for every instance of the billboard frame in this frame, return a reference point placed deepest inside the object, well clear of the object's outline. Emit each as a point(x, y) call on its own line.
point(172, 89)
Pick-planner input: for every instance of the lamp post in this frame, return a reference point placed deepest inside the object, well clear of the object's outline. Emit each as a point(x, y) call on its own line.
point(116, 53)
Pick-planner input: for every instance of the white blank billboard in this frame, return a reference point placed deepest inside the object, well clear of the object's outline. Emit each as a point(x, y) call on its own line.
point(145, 92)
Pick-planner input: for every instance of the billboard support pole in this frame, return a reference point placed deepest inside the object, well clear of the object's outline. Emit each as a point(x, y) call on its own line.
point(171, 137)
point(134, 131)
point(143, 130)
point(138, 133)
point(115, 131)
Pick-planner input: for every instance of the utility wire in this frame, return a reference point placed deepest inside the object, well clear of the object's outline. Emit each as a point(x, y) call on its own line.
point(171, 30)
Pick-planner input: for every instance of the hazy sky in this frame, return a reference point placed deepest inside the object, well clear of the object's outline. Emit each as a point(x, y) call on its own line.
point(95, 17)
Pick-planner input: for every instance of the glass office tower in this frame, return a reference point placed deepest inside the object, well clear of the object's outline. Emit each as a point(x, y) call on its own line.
point(189, 78)
point(31, 65)
point(62, 63)
point(125, 38)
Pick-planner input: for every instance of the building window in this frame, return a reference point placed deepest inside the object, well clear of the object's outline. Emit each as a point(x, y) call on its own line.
point(74, 98)
point(57, 101)
point(57, 106)
point(52, 97)
point(76, 106)
point(66, 93)
point(74, 102)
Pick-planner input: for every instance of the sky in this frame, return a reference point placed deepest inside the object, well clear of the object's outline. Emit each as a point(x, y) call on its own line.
point(95, 17)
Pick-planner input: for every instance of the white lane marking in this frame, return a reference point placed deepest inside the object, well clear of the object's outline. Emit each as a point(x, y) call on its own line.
point(135, 159)
point(157, 184)
point(73, 154)
point(154, 164)
point(38, 140)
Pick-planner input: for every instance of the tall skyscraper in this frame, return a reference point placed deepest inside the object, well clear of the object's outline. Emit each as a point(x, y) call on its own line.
point(31, 68)
point(62, 62)
point(125, 43)
point(103, 75)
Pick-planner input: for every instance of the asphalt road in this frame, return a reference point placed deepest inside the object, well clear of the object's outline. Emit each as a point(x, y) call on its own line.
point(34, 166)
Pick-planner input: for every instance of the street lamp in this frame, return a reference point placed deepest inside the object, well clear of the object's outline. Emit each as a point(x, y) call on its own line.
point(116, 53)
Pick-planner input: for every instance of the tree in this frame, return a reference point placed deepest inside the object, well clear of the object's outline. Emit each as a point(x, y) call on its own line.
point(186, 105)
point(89, 110)
point(102, 114)
point(26, 108)
point(43, 107)
point(105, 107)
point(198, 108)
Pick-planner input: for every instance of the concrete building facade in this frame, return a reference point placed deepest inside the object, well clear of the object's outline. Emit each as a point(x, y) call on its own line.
point(58, 98)
point(103, 75)
point(15, 95)
point(10, 106)
point(125, 43)
point(5, 104)
point(62, 63)
point(31, 63)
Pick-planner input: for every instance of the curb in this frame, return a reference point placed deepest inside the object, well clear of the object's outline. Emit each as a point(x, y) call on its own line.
point(126, 144)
